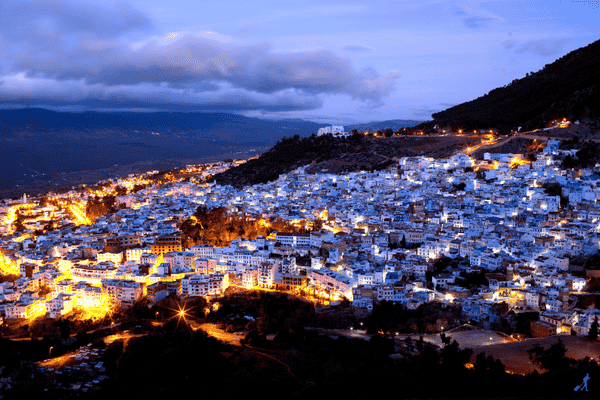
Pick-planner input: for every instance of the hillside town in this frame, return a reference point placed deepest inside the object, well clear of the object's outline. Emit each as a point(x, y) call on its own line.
point(361, 237)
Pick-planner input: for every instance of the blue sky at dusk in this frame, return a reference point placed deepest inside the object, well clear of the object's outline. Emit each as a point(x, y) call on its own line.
point(327, 61)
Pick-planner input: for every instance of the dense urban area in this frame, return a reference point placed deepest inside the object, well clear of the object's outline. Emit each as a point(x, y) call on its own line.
point(489, 252)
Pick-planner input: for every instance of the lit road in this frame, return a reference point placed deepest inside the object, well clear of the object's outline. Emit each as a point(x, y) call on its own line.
point(79, 214)
point(220, 334)
point(349, 333)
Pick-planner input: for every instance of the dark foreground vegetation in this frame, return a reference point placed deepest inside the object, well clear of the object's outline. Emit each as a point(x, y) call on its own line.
point(165, 357)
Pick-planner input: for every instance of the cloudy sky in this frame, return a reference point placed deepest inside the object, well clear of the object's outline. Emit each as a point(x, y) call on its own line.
point(325, 60)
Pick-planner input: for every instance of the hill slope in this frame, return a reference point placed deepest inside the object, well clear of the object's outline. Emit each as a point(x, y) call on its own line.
point(567, 88)
point(332, 155)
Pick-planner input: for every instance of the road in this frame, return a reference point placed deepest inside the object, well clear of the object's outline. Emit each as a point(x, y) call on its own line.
point(79, 214)
point(214, 331)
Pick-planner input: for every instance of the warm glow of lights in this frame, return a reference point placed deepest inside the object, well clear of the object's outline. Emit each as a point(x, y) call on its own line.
point(22, 237)
point(8, 267)
point(263, 223)
point(79, 215)
point(515, 162)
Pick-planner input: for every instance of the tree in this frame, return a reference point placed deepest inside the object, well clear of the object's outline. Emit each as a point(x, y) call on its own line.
point(44, 290)
point(553, 359)
point(460, 186)
point(453, 357)
point(593, 332)
point(44, 201)
point(18, 224)
point(403, 242)
point(388, 132)
point(445, 339)
point(483, 363)
point(45, 328)
point(121, 190)
point(317, 225)
point(420, 343)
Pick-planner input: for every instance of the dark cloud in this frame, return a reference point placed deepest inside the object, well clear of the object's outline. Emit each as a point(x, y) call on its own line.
point(222, 96)
point(358, 48)
point(84, 55)
point(542, 47)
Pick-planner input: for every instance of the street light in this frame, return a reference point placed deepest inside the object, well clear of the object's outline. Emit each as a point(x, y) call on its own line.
point(50, 351)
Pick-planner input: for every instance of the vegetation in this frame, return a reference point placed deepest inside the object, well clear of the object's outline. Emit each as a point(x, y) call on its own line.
point(170, 358)
point(555, 189)
point(593, 332)
point(291, 153)
point(99, 206)
point(359, 152)
point(215, 226)
point(18, 222)
point(586, 157)
point(567, 88)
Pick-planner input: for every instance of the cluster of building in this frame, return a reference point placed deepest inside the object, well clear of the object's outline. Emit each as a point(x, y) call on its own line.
point(333, 130)
point(363, 236)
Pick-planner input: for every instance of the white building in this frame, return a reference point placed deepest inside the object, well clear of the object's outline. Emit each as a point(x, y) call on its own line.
point(335, 130)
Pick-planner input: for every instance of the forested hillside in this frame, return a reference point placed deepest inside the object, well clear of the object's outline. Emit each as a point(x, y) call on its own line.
point(567, 88)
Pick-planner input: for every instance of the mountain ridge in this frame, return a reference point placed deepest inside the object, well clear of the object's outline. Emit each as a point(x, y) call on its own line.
point(566, 88)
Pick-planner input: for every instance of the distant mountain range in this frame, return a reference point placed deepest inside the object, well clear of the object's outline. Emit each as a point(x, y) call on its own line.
point(567, 88)
point(211, 126)
point(41, 145)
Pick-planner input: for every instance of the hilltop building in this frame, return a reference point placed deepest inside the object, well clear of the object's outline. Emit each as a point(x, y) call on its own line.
point(334, 130)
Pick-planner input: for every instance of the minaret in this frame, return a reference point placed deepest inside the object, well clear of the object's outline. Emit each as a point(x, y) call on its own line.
point(24, 198)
